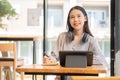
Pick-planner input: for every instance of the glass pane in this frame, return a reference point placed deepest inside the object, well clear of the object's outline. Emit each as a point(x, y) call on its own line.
point(27, 22)
point(99, 20)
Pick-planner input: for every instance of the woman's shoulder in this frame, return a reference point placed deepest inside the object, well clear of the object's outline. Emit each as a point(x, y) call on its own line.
point(91, 38)
point(62, 34)
point(61, 38)
point(94, 45)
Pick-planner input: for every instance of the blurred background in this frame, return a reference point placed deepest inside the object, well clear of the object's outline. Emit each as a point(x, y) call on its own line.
point(47, 18)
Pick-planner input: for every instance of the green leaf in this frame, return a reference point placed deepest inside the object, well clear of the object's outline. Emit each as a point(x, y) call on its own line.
point(6, 9)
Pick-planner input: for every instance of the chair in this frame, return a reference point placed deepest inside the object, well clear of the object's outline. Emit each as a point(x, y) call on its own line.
point(6, 61)
point(95, 78)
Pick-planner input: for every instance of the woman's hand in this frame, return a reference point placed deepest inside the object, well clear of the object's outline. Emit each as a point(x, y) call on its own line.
point(47, 59)
point(57, 78)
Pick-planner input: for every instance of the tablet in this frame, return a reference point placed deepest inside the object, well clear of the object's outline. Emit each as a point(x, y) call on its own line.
point(76, 58)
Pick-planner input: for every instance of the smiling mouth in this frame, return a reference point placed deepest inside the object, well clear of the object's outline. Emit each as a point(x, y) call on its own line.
point(76, 24)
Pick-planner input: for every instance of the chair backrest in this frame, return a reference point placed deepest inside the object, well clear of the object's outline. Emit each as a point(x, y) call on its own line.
point(96, 78)
point(6, 48)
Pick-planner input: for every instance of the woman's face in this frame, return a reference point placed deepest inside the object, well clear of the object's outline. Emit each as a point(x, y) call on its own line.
point(77, 19)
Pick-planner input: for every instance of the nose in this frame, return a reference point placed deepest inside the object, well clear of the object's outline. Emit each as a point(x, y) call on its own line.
point(76, 19)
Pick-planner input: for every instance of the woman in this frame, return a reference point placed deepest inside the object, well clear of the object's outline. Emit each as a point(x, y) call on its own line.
point(78, 37)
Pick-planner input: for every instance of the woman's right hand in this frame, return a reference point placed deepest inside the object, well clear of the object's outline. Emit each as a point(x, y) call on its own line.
point(57, 78)
point(47, 59)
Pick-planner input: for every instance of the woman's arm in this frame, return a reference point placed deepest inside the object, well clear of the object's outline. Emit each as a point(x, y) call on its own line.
point(98, 54)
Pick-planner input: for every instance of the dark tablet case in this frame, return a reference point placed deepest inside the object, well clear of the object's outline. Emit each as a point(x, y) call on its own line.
point(80, 59)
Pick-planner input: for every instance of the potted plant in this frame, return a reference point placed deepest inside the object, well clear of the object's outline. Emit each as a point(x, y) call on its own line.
point(6, 10)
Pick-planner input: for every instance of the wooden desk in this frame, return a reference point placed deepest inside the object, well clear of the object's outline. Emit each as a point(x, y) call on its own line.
point(37, 69)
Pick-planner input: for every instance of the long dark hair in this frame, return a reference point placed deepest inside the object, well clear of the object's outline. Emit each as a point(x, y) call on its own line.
point(86, 30)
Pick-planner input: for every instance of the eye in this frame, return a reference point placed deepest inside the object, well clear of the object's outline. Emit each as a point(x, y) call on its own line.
point(78, 16)
point(72, 17)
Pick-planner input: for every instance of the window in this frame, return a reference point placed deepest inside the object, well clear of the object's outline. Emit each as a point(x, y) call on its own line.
point(55, 17)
